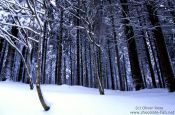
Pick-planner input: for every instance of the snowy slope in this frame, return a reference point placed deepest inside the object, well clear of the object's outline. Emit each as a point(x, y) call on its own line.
point(17, 99)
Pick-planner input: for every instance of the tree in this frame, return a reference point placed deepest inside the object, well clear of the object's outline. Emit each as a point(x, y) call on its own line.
point(133, 57)
point(78, 43)
point(111, 68)
point(144, 36)
point(32, 7)
point(58, 79)
point(165, 62)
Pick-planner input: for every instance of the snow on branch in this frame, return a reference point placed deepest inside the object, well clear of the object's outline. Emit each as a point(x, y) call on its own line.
point(25, 27)
point(7, 33)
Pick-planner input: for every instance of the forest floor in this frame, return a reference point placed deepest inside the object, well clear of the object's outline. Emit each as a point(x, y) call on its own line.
point(18, 99)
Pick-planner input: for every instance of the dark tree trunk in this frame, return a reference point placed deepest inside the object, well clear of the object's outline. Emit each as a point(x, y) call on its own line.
point(124, 72)
point(96, 73)
point(71, 63)
point(160, 67)
point(107, 77)
point(86, 68)
point(161, 82)
point(78, 46)
point(1, 50)
point(133, 56)
point(44, 50)
point(20, 71)
point(81, 64)
point(143, 74)
point(64, 70)
point(24, 73)
point(2, 53)
point(21, 75)
point(111, 67)
point(144, 34)
point(161, 47)
point(117, 50)
point(100, 70)
point(38, 79)
point(9, 64)
point(90, 67)
point(58, 79)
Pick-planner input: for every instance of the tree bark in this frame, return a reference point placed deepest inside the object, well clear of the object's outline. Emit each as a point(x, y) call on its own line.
point(78, 45)
point(165, 62)
point(117, 50)
point(41, 98)
point(132, 50)
point(86, 68)
point(111, 67)
point(149, 62)
point(2, 53)
point(58, 79)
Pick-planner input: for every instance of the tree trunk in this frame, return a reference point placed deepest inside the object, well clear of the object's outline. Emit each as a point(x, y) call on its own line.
point(71, 63)
point(100, 71)
point(41, 98)
point(125, 74)
point(161, 82)
point(58, 79)
point(86, 68)
point(143, 32)
point(81, 64)
point(161, 47)
point(111, 67)
point(96, 72)
point(78, 46)
point(117, 50)
point(132, 50)
point(2, 54)
point(149, 62)
point(90, 67)
point(44, 50)
point(64, 71)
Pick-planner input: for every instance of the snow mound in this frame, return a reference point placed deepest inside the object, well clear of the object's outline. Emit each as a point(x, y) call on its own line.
point(18, 99)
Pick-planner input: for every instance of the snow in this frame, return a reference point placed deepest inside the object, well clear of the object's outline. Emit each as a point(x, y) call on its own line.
point(53, 2)
point(17, 99)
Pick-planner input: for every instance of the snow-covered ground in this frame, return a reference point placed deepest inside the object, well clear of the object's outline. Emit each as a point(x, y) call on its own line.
point(18, 99)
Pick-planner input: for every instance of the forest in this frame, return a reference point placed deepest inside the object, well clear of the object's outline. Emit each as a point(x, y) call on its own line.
point(121, 45)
